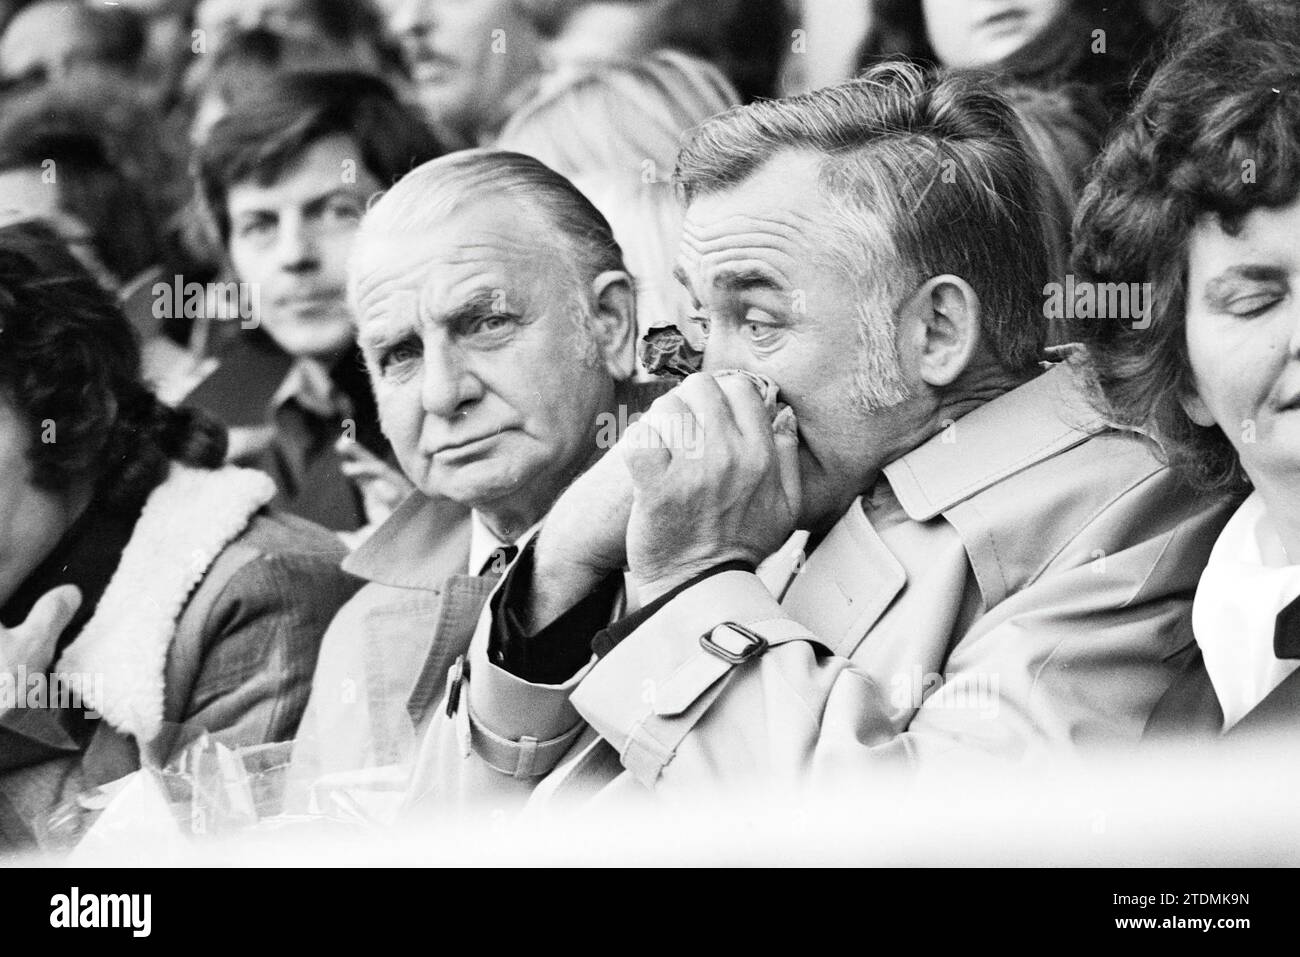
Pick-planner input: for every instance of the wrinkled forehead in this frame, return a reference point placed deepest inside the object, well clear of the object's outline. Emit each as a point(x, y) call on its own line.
point(491, 247)
point(773, 221)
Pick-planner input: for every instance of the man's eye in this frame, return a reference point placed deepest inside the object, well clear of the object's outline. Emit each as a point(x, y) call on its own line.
point(398, 355)
point(342, 211)
point(700, 321)
point(757, 329)
point(497, 322)
point(256, 227)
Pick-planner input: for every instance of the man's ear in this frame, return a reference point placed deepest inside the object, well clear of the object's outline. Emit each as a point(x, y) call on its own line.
point(615, 322)
point(945, 321)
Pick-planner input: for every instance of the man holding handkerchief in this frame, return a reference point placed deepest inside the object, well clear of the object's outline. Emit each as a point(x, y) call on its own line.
point(925, 551)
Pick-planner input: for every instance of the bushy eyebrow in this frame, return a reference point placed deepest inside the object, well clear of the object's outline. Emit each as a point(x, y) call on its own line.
point(482, 304)
point(317, 203)
point(736, 280)
point(374, 340)
point(745, 280)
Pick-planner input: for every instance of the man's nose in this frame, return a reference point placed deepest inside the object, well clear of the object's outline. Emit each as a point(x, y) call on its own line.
point(722, 350)
point(449, 386)
point(296, 249)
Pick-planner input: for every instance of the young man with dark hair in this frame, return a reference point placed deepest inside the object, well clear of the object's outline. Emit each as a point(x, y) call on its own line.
point(286, 177)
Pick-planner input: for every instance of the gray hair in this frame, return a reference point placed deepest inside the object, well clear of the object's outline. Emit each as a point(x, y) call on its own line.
point(615, 129)
point(927, 175)
point(424, 198)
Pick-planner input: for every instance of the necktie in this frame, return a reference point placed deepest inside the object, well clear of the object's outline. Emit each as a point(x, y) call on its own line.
point(1286, 638)
point(499, 560)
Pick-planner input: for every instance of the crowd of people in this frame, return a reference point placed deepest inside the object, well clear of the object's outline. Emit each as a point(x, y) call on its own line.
point(326, 431)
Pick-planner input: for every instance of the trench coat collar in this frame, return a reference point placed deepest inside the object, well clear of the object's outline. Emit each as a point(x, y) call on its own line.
point(422, 544)
point(1017, 430)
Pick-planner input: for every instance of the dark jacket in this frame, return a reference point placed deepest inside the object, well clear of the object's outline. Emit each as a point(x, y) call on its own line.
point(1191, 708)
point(239, 393)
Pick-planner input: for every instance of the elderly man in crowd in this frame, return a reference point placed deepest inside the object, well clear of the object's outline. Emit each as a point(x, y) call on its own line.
point(938, 554)
point(497, 324)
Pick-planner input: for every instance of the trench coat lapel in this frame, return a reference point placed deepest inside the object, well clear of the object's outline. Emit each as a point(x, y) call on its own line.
point(396, 635)
point(424, 546)
point(851, 579)
point(846, 584)
point(418, 555)
point(450, 628)
point(463, 598)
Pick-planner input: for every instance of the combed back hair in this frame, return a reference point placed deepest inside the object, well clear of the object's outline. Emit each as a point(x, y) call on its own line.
point(927, 175)
point(1217, 133)
point(70, 369)
point(422, 201)
point(267, 130)
point(615, 130)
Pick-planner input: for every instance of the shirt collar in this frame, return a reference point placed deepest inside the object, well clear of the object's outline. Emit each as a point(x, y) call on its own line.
point(309, 383)
point(1246, 583)
point(483, 542)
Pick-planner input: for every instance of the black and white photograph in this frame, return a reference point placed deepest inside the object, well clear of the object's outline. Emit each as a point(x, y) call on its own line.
point(648, 434)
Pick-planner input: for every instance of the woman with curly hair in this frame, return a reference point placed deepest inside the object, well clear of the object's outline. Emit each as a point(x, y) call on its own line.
point(130, 559)
point(1198, 196)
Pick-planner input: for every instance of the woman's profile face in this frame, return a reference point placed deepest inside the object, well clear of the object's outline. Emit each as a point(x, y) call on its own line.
point(32, 520)
point(975, 33)
point(1243, 338)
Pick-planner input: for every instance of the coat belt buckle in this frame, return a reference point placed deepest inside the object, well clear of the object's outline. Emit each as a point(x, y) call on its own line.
point(754, 646)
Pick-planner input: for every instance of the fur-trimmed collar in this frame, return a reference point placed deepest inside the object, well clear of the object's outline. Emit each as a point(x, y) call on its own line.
point(185, 525)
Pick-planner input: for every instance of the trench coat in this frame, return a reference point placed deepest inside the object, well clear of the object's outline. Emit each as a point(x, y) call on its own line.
point(1015, 586)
